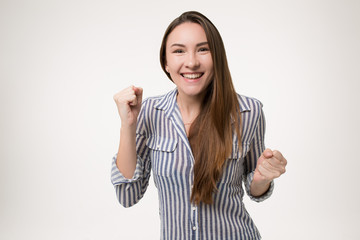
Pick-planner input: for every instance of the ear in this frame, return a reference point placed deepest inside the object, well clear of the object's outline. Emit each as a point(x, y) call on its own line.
point(166, 68)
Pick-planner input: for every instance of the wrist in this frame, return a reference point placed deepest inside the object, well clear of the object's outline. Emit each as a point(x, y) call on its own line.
point(261, 182)
point(128, 129)
point(258, 188)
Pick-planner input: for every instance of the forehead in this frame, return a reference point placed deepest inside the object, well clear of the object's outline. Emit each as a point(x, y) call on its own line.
point(187, 33)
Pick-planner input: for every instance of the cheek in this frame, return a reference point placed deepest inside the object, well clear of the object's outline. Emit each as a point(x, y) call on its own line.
point(173, 64)
point(208, 62)
point(210, 67)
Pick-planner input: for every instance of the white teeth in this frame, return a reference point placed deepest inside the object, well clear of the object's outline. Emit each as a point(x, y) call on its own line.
point(192, 75)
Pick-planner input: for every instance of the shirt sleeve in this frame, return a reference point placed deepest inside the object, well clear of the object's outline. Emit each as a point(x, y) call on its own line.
point(257, 147)
point(130, 191)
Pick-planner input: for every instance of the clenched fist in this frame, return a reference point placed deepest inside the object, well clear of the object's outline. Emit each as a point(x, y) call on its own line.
point(128, 102)
point(270, 165)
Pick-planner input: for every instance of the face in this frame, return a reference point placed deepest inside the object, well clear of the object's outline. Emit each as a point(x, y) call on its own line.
point(188, 59)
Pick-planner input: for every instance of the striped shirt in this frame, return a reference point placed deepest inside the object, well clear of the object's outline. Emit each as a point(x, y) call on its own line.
point(163, 147)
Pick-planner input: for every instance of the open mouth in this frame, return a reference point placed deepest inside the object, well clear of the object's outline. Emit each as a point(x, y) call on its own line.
point(192, 75)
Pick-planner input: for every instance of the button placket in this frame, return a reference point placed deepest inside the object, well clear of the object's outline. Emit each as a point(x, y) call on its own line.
point(194, 217)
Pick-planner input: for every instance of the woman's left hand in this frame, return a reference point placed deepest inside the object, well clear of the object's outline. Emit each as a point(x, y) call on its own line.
point(270, 165)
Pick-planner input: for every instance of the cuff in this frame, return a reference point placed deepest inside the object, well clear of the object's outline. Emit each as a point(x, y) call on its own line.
point(118, 178)
point(266, 195)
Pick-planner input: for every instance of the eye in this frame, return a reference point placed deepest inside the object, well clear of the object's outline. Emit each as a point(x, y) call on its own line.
point(178, 51)
point(204, 49)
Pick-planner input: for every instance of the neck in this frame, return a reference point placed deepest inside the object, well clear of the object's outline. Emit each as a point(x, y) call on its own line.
point(189, 107)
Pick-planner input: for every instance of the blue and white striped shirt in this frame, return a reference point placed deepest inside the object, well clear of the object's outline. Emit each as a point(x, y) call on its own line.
point(162, 145)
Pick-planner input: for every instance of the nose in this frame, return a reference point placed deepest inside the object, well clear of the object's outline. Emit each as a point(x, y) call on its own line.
point(192, 61)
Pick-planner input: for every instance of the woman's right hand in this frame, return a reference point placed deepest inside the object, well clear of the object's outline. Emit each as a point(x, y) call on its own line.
point(128, 102)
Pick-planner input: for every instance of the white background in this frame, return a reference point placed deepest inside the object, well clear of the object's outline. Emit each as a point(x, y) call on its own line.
point(61, 62)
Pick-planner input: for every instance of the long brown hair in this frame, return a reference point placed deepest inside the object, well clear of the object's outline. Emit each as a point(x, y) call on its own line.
point(211, 134)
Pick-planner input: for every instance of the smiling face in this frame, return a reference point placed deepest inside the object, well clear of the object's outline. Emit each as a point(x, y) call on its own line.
point(188, 59)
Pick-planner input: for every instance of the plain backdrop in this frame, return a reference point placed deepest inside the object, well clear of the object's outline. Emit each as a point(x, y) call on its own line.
point(61, 62)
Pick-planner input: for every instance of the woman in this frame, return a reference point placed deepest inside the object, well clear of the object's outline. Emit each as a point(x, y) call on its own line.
point(201, 140)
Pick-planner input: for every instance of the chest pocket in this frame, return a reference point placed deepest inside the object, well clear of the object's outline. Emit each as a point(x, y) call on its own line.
point(234, 165)
point(162, 154)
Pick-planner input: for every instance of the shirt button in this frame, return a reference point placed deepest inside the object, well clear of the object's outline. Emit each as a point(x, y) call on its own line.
point(194, 228)
point(193, 208)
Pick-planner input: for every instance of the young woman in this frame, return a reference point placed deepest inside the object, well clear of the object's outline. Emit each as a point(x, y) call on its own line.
point(201, 141)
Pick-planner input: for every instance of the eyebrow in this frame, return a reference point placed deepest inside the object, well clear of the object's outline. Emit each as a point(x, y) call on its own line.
point(182, 45)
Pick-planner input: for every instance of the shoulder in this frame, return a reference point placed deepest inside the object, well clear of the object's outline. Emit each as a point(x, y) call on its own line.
point(150, 102)
point(160, 101)
point(249, 104)
point(146, 115)
point(147, 108)
point(153, 109)
point(252, 115)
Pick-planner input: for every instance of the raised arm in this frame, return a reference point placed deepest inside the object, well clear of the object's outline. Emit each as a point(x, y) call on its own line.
point(128, 102)
point(131, 166)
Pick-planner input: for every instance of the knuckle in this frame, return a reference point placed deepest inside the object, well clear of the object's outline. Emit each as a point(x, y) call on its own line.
point(117, 99)
point(277, 154)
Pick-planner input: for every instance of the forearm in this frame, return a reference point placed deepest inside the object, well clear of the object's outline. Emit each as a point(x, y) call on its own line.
point(258, 188)
point(126, 157)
